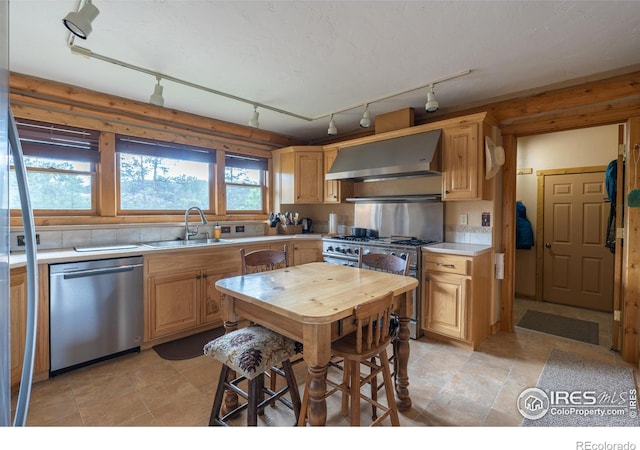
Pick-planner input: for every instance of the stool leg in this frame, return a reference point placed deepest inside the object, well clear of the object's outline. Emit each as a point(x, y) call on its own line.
point(354, 392)
point(302, 420)
point(374, 391)
point(388, 388)
point(293, 387)
point(345, 382)
point(255, 387)
point(217, 401)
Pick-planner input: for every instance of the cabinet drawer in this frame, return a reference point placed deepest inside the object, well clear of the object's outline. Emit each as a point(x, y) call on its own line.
point(447, 263)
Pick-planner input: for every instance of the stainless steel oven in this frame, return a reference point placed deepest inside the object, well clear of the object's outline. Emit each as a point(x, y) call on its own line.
point(391, 225)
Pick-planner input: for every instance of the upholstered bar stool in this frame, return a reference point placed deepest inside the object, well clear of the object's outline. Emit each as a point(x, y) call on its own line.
point(246, 354)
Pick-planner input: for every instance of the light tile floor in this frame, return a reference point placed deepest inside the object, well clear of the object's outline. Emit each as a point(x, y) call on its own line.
point(449, 386)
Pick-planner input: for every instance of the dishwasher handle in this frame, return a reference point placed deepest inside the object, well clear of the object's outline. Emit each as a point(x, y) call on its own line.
point(93, 272)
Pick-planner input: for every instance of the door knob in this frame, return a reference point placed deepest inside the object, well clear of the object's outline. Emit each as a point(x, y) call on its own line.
point(548, 245)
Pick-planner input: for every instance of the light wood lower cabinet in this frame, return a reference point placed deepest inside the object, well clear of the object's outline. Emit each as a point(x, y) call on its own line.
point(181, 296)
point(456, 296)
point(306, 251)
point(18, 305)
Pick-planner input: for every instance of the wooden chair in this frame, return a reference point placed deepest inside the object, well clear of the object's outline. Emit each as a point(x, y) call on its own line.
point(363, 347)
point(262, 261)
point(392, 264)
point(252, 351)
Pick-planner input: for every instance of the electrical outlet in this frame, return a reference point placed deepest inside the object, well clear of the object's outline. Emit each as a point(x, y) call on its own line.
point(463, 219)
point(225, 229)
point(239, 228)
point(21, 240)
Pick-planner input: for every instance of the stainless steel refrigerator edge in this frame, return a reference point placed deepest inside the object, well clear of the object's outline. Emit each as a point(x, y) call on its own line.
point(5, 356)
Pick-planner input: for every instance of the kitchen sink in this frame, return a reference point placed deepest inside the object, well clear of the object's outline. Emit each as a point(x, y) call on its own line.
point(182, 243)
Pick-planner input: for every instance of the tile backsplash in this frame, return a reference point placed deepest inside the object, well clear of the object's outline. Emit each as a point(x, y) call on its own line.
point(61, 237)
point(468, 234)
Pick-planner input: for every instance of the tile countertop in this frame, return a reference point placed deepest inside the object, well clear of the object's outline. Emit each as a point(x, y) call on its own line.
point(69, 254)
point(456, 248)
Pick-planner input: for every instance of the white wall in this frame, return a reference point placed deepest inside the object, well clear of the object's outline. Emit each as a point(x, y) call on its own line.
point(595, 146)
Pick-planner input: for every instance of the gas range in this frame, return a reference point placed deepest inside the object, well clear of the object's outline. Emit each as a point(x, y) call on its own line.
point(345, 249)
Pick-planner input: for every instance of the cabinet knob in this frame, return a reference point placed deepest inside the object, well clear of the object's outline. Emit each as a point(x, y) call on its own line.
point(548, 245)
point(204, 276)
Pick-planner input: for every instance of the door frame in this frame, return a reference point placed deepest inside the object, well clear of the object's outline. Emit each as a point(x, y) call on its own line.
point(629, 339)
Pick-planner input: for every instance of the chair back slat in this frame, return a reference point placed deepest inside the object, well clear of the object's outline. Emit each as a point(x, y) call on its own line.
point(372, 319)
point(263, 260)
point(383, 262)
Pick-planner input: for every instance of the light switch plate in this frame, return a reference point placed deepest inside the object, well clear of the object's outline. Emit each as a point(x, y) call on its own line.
point(463, 219)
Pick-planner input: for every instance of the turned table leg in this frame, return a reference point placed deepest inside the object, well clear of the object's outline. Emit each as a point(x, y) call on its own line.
point(402, 376)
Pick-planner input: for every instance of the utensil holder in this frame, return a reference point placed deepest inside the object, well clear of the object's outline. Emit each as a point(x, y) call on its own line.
point(289, 229)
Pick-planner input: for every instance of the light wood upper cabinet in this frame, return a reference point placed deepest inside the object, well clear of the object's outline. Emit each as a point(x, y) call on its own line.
point(463, 161)
point(335, 191)
point(456, 296)
point(298, 175)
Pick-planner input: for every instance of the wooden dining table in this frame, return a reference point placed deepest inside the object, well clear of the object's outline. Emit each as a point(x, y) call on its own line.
point(309, 303)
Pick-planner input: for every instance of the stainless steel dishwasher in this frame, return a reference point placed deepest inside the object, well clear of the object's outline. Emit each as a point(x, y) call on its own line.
point(95, 311)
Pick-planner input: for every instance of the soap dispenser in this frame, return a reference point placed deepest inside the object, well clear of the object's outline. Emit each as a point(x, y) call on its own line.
point(217, 231)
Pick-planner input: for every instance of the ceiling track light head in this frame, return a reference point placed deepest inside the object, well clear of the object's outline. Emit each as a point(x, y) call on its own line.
point(332, 131)
point(365, 122)
point(432, 104)
point(157, 98)
point(253, 122)
point(79, 23)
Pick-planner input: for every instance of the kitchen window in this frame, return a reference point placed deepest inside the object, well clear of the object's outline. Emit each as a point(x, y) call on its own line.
point(245, 181)
point(61, 168)
point(163, 177)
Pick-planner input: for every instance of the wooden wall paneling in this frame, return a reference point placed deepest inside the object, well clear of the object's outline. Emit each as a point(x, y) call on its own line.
point(65, 114)
point(508, 231)
point(37, 87)
point(631, 245)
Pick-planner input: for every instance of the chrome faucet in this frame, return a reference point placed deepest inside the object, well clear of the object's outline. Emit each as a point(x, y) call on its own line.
point(187, 232)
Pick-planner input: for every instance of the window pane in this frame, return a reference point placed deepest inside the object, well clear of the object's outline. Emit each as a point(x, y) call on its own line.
point(244, 198)
point(49, 190)
point(155, 183)
point(50, 163)
point(242, 176)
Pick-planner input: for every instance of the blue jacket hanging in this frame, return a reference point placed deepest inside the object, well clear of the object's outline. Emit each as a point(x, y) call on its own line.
point(611, 176)
point(524, 232)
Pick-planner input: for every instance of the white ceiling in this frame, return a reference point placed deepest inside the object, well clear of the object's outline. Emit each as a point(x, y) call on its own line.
point(316, 57)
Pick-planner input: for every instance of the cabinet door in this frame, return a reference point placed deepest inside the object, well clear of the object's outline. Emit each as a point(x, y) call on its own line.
point(461, 159)
point(445, 303)
point(18, 295)
point(173, 303)
point(306, 252)
point(308, 177)
point(331, 187)
point(211, 311)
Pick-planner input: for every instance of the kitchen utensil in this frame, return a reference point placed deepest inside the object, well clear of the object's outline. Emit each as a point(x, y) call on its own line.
point(358, 232)
point(633, 199)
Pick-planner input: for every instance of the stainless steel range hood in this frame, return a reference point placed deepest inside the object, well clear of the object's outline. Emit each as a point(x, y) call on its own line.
point(406, 156)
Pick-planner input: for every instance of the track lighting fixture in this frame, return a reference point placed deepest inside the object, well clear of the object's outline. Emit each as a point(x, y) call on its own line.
point(79, 23)
point(156, 98)
point(332, 131)
point(432, 104)
point(365, 122)
point(253, 122)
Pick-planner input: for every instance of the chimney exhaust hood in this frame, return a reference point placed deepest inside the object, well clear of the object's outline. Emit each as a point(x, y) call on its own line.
point(401, 157)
